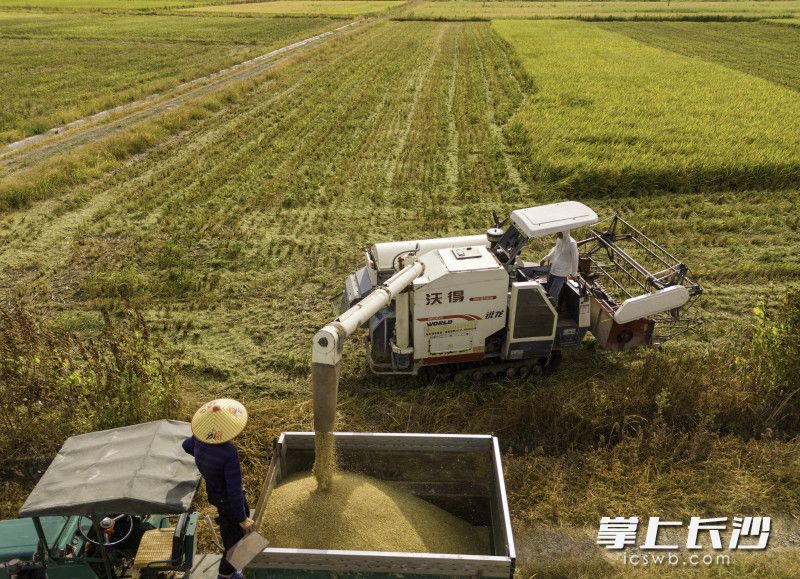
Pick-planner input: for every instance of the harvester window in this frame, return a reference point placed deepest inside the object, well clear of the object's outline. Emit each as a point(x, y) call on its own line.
point(533, 317)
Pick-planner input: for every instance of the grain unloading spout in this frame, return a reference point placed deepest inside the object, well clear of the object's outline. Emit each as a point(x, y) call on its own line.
point(326, 352)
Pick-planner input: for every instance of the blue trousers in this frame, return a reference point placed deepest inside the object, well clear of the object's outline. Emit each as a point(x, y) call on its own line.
point(229, 529)
point(555, 283)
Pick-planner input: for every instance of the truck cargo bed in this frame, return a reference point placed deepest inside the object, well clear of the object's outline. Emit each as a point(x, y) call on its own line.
point(461, 474)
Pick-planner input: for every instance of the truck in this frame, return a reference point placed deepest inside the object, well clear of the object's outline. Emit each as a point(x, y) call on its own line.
point(118, 503)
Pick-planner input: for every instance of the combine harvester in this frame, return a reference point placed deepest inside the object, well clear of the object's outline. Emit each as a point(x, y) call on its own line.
point(469, 306)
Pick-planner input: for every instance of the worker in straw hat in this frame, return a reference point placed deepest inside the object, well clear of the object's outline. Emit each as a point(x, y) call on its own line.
point(214, 425)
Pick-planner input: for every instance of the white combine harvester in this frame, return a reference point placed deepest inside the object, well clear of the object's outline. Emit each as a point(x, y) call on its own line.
point(469, 306)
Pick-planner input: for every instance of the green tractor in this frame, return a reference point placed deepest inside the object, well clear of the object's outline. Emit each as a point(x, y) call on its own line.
point(112, 504)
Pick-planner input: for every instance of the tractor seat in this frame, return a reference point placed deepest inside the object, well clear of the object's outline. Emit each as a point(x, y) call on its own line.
point(155, 546)
point(161, 548)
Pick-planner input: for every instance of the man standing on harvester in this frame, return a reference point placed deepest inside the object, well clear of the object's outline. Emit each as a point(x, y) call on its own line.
point(563, 264)
point(214, 425)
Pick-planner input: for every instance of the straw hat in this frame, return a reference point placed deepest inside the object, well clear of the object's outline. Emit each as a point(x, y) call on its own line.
point(219, 421)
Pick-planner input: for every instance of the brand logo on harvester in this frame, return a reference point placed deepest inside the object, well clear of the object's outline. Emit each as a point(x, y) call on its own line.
point(439, 322)
point(467, 317)
point(746, 533)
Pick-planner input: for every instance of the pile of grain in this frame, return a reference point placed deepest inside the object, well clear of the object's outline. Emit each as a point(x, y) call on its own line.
point(363, 514)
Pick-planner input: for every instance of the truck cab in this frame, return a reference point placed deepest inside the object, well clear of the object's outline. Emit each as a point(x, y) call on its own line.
point(110, 501)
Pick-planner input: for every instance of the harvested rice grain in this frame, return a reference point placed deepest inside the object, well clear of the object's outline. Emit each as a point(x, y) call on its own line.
point(360, 513)
point(325, 462)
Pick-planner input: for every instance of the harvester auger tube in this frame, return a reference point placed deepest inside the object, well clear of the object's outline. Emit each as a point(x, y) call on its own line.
point(326, 353)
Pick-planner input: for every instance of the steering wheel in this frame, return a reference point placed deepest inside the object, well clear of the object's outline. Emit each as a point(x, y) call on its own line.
point(107, 525)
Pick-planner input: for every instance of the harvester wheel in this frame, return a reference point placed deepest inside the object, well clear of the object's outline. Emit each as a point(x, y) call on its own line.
point(524, 371)
point(511, 372)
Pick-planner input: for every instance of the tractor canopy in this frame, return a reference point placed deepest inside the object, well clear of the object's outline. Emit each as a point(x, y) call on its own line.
point(137, 470)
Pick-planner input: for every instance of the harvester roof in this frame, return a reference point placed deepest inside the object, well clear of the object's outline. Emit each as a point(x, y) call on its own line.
point(138, 470)
point(548, 219)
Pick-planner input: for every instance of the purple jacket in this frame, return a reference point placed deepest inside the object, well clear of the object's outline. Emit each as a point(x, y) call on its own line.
point(220, 467)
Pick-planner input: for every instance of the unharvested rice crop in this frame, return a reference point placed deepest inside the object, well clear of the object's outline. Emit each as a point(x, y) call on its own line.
point(612, 10)
point(769, 52)
point(612, 116)
point(361, 513)
point(341, 8)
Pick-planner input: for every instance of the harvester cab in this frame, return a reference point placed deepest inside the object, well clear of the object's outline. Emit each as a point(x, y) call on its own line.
point(111, 503)
point(472, 306)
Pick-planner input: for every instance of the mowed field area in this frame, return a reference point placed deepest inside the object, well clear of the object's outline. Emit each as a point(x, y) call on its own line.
point(232, 233)
point(44, 57)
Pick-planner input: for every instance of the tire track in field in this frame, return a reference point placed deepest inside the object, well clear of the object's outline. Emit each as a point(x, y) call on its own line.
point(372, 158)
point(497, 131)
point(418, 83)
point(452, 171)
point(380, 78)
point(334, 149)
point(16, 156)
point(320, 135)
point(312, 121)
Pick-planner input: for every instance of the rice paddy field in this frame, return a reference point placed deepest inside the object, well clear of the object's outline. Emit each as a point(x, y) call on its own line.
point(232, 233)
point(44, 56)
point(99, 5)
point(343, 8)
point(657, 110)
point(754, 48)
point(606, 10)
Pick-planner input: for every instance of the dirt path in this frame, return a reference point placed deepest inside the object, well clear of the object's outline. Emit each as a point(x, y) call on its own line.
point(38, 148)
